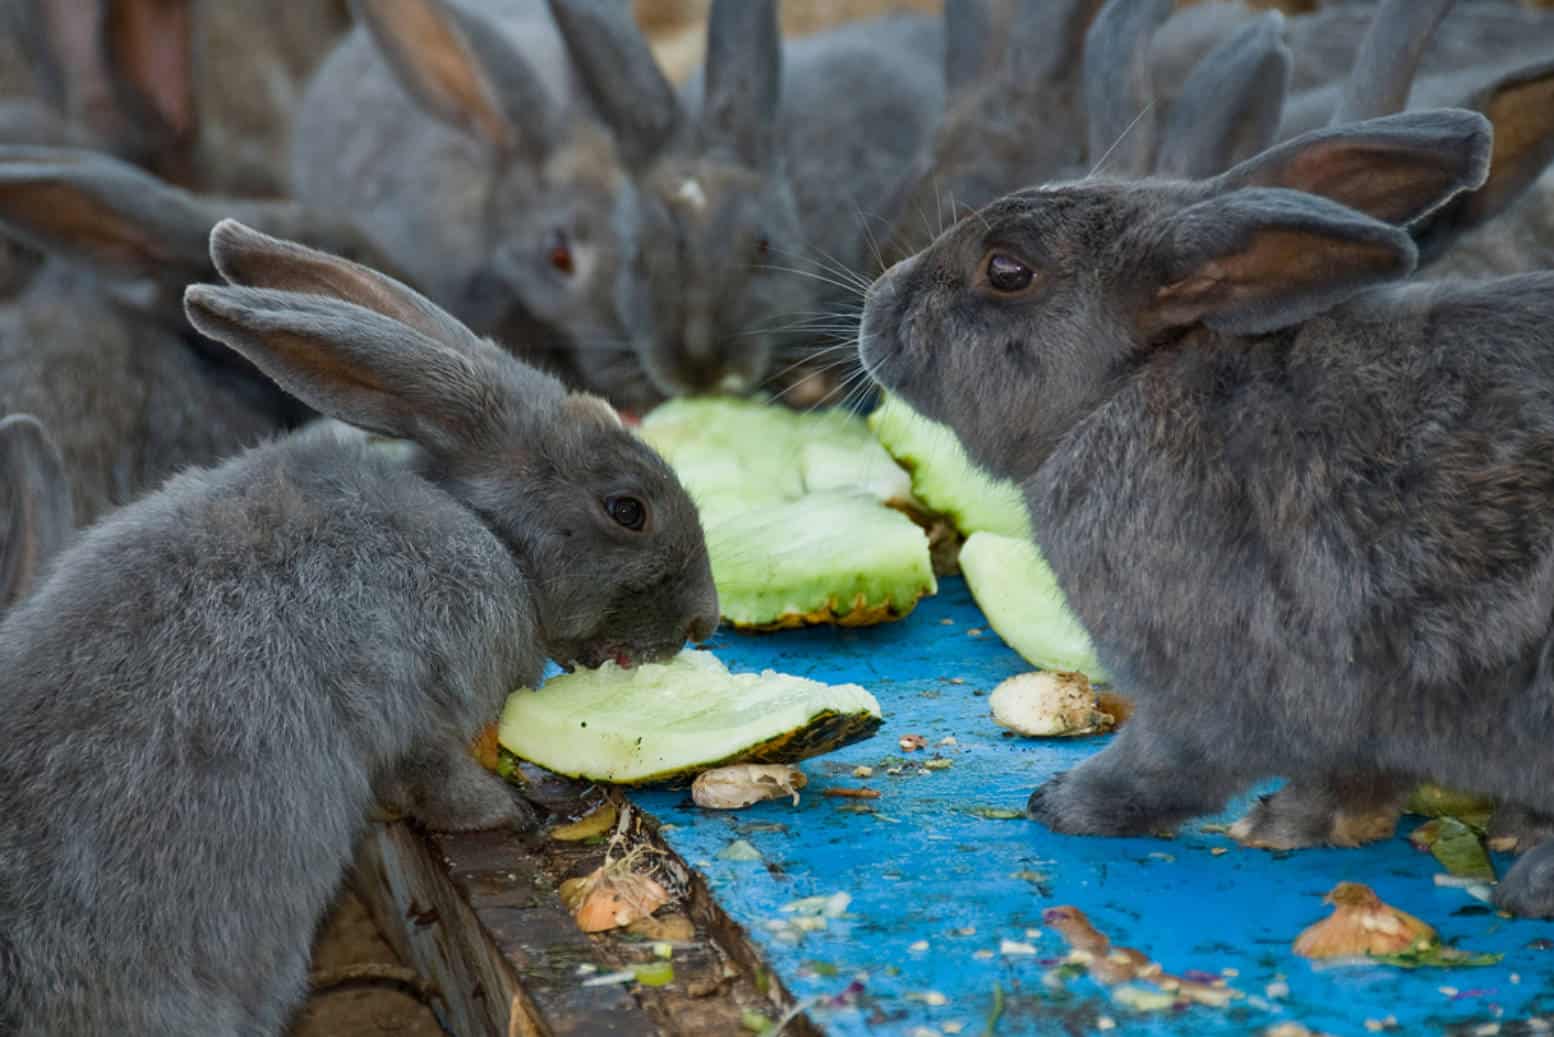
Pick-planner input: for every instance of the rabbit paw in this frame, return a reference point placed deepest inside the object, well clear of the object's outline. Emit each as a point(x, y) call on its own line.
point(1322, 812)
point(474, 800)
point(1516, 829)
point(1528, 888)
point(1072, 806)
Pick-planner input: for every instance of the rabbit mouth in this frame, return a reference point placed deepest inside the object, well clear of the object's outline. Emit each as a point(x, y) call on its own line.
point(626, 656)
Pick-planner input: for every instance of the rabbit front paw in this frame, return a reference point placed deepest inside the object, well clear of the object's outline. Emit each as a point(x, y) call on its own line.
point(1070, 805)
point(445, 788)
point(1527, 891)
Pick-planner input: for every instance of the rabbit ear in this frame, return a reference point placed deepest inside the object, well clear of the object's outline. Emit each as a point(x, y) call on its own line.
point(1396, 168)
point(1258, 260)
point(1520, 107)
point(744, 80)
point(109, 213)
point(36, 516)
point(365, 369)
point(623, 79)
point(461, 69)
point(247, 258)
point(1118, 89)
point(1384, 67)
point(968, 32)
point(122, 67)
point(1043, 36)
point(1230, 106)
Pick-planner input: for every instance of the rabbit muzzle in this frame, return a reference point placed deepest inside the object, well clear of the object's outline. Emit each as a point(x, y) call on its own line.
point(879, 332)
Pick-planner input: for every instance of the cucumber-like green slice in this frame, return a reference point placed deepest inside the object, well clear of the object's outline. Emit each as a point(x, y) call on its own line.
point(793, 505)
point(1020, 597)
point(662, 721)
point(943, 478)
point(823, 558)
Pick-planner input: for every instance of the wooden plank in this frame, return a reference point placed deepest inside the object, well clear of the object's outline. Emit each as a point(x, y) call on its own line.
point(480, 914)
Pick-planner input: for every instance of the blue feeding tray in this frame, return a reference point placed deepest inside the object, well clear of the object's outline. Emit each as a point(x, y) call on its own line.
point(941, 929)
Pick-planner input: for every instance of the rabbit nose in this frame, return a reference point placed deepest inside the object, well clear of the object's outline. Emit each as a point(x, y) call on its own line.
point(701, 627)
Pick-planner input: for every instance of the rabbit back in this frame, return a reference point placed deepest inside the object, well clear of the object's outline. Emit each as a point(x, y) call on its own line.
point(249, 651)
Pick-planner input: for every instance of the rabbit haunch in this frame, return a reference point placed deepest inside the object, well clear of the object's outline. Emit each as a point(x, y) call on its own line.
point(261, 650)
point(1302, 509)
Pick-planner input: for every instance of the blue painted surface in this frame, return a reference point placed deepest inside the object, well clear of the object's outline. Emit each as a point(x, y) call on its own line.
point(923, 868)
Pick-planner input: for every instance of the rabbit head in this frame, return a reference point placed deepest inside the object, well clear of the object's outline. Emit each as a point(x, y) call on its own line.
point(35, 511)
point(604, 533)
point(491, 185)
point(1020, 320)
point(717, 223)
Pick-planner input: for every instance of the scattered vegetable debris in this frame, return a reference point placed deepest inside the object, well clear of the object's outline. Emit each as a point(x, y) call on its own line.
point(839, 792)
point(613, 896)
point(595, 823)
point(1121, 968)
point(1459, 847)
point(745, 784)
point(912, 743)
point(1362, 926)
point(1049, 704)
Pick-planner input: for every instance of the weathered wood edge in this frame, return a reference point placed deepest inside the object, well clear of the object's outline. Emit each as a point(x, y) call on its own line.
point(478, 913)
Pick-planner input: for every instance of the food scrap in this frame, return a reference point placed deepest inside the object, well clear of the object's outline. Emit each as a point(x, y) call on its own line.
point(1049, 705)
point(1459, 848)
point(612, 896)
point(744, 784)
point(596, 822)
point(1123, 967)
point(912, 743)
point(839, 792)
point(1362, 926)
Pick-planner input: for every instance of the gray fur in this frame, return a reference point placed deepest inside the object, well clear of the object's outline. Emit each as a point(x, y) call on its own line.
point(1118, 85)
point(97, 347)
point(35, 511)
point(470, 192)
point(262, 650)
point(740, 265)
point(1323, 548)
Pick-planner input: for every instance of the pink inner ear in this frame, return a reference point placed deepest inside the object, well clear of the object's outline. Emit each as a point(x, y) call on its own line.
point(152, 42)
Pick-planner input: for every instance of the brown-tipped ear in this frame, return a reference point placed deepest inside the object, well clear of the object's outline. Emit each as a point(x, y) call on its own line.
point(461, 69)
point(124, 69)
point(1259, 260)
point(1520, 107)
point(105, 212)
point(251, 259)
point(1395, 169)
point(36, 516)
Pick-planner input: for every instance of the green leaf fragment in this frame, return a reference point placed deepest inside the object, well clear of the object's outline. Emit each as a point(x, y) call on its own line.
point(754, 1021)
point(1434, 801)
point(994, 813)
point(1437, 956)
point(1459, 847)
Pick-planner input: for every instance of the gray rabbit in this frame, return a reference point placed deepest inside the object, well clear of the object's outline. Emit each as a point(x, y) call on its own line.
point(96, 345)
point(36, 520)
point(261, 650)
point(1301, 503)
point(457, 136)
point(752, 227)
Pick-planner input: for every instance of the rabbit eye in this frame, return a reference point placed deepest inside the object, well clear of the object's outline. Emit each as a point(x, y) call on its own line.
point(559, 253)
point(1006, 275)
point(763, 248)
point(627, 511)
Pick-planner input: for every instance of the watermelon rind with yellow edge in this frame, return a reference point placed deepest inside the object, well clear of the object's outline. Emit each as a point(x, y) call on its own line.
point(665, 721)
point(1019, 595)
point(944, 481)
point(795, 510)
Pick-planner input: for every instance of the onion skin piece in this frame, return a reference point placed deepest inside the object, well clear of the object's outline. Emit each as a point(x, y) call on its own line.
point(1361, 925)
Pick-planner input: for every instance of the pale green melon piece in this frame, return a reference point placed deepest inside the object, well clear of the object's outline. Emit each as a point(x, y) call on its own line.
point(665, 720)
point(943, 478)
point(1020, 597)
point(823, 558)
point(793, 505)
